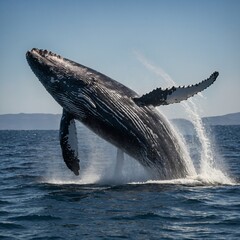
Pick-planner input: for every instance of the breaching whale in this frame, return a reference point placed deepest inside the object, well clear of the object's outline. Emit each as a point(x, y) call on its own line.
point(114, 112)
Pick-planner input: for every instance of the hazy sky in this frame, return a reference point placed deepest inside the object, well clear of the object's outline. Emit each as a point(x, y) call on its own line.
point(188, 39)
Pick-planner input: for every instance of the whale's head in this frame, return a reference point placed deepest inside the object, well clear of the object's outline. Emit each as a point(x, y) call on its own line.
point(54, 71)
point(64, 79)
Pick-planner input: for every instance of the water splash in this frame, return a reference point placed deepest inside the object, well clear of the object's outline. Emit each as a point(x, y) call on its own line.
point(181, 147)
point(210, 172)
point(98, 162)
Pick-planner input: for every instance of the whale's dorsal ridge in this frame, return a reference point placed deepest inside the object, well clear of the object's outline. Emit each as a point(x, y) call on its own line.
point(167, 96)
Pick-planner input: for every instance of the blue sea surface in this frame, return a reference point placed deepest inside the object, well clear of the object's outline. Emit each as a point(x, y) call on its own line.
point(41, 199)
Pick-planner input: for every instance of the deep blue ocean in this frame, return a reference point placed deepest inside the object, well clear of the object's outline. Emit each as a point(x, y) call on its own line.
point(41, 199)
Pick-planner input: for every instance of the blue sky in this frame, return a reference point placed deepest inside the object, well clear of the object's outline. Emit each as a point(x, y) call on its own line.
point(188, 39)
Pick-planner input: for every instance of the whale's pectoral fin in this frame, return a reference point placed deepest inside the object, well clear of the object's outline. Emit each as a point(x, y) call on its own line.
point(173, 95)
point(68, 142)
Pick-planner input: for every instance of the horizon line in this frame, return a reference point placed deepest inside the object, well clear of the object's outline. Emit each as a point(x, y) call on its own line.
point(61, 114)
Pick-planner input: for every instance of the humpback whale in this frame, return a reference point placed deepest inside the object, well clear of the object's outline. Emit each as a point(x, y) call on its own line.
point(114, 112)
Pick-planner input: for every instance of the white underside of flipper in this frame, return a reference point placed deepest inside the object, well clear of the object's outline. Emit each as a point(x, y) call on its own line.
point(167, 96)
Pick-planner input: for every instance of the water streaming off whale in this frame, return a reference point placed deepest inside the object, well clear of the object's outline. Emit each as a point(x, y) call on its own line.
point(212, 169)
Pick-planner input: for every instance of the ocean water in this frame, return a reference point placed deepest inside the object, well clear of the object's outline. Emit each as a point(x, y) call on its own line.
point(41, 199)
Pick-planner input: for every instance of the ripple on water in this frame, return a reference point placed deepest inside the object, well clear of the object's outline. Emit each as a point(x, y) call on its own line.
point(10, 225)
point(35, 217)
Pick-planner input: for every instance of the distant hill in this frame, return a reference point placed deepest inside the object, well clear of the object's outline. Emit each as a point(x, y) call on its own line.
point(39, 121)
point(23, 121)
point(228, 119)
point(186, 127)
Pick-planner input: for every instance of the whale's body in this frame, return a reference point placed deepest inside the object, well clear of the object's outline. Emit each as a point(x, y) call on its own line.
point(114, 112)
